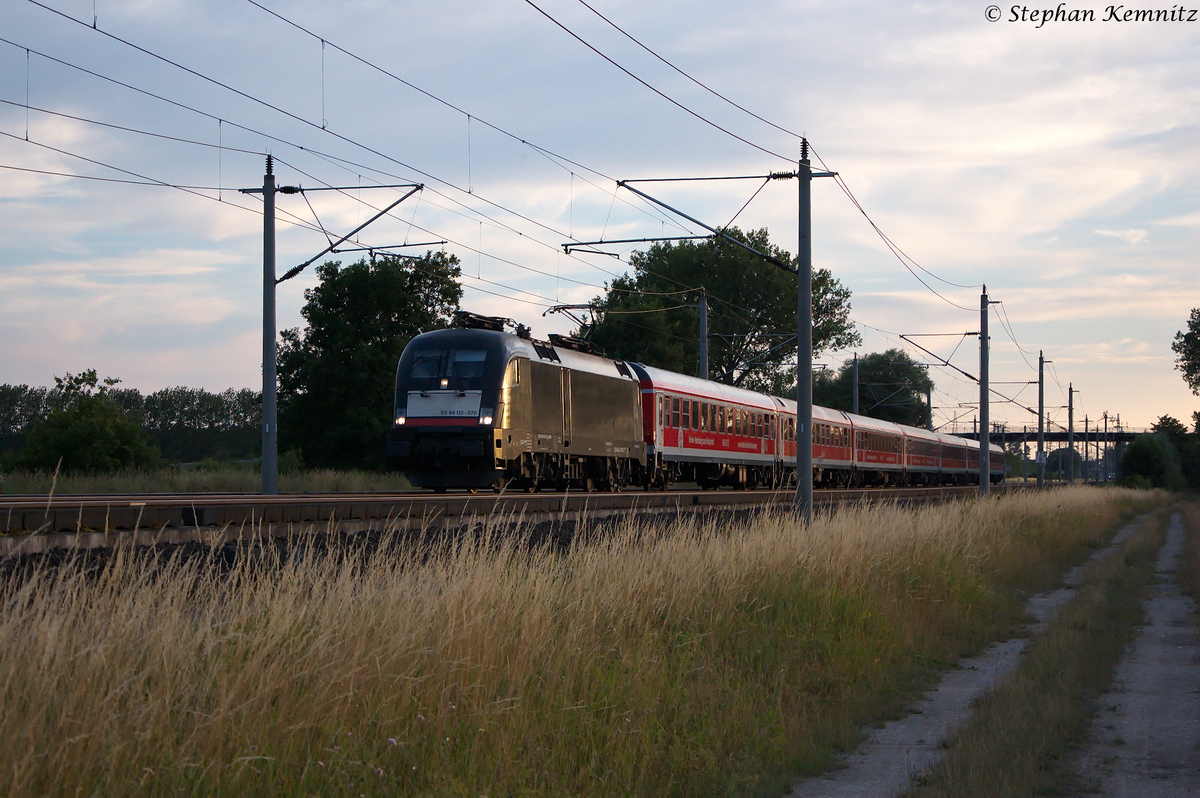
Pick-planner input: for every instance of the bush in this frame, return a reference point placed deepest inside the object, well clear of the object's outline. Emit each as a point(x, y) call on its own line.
point(1151, 461)
point(86, 432)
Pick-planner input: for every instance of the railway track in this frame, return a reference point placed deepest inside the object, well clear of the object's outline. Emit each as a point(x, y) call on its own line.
point(30, 524)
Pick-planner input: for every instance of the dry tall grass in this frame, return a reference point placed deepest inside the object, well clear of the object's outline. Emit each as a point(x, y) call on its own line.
point(680, 660)
point(219, 478)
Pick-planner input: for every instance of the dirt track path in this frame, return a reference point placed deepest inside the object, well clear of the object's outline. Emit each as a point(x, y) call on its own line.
point(889, 759)
point(1145, 740)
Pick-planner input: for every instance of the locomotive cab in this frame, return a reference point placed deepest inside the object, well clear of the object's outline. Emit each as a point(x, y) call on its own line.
point(450, 388)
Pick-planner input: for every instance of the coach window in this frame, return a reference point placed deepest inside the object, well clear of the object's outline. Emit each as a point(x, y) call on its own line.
point(674, 411)
point(696, 414)
point(662, 401)
point(687, 414)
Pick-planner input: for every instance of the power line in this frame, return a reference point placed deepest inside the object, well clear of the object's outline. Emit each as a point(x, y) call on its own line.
point(711, 91)
point(155, 183)
point(111, 126)
point(669, 99)
point(143, 180)
point(304, 121)
point(845, 188)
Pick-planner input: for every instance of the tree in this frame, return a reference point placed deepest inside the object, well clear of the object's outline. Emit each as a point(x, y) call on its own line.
point(650, 316)
point(1150, 461)
point(21, 406)
point(337, 377)
point(85, 432)
point(1059, 461)
point(1173, 429)
point(1187, 351)
point(1186, 443)
point(892, 387)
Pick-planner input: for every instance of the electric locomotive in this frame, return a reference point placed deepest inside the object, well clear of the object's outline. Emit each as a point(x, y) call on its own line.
point(479, 407)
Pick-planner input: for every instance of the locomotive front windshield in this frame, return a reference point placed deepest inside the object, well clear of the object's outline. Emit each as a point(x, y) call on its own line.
point(448, 363)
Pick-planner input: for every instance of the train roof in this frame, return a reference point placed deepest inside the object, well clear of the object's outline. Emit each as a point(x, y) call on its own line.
point(923, 434)
point(827, 414)
point(704, 389)
point(510, 345)
point(876, 425)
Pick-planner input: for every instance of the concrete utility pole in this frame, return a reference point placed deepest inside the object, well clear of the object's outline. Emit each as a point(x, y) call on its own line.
point(985, 437)
point(804, 486)
point(1041, 450)
point(929, 409)
point(1104, 460)
point(1024, 453)
point(703, 369)
point(854, 393)
point(270, 429)
point(1071, 429)
point(1087, 453)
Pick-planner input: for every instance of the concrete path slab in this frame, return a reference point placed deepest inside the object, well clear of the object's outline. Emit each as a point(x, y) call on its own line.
point(1145, 738)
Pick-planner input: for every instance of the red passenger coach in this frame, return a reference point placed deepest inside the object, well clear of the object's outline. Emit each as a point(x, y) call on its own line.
point(833, 447)
point(923, 455)
point(709, 433)
point(878, 450)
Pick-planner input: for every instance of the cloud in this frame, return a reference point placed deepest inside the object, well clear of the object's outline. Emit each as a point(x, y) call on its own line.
point(1130, 236)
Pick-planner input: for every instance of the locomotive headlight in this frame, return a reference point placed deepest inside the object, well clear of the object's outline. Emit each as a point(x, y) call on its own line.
point(445, 382)
point(399, 421)
point(485, 417)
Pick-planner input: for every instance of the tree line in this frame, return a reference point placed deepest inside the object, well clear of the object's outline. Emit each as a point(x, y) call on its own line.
point(93, 424)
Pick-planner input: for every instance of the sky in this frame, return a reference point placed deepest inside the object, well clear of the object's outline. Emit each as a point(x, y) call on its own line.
point(1057, 162)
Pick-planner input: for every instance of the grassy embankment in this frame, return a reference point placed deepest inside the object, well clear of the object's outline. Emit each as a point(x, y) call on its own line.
point(1021, 735)
point(679, 660)
point(200, 478)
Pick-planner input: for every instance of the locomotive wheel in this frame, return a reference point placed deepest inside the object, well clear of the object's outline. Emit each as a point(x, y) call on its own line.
point(589, 485)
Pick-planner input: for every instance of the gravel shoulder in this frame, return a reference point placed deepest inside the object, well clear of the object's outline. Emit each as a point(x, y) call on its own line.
point(1145, 739)
point(891, 759)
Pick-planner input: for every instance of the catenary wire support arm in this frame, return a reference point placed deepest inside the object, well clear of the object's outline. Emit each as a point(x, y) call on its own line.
point(297, 269)
point(718, 233)
point(908, 337)
point(580, 245)
point(373, 250)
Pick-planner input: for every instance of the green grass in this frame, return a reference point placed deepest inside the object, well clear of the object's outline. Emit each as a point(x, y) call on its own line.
point(667, 660)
